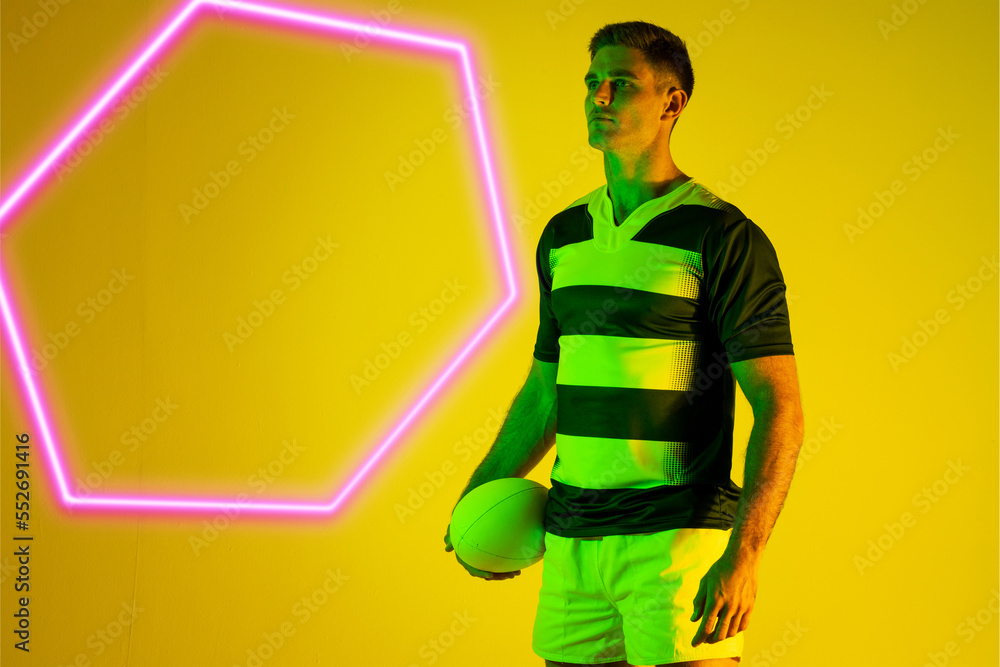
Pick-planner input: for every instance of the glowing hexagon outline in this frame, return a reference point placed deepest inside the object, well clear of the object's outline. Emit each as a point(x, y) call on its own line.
point(41, 169)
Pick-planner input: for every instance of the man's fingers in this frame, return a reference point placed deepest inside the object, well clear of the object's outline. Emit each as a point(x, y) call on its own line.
point(721, 629)
point(699, 601)
point(710, 620)
point(734, 625)
point(707, 621)
point(699, 604)
point(744, 622)
point(475, 571)
point(702, 632)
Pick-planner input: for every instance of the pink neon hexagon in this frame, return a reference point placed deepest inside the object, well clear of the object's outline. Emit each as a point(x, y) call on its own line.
point(37, 174)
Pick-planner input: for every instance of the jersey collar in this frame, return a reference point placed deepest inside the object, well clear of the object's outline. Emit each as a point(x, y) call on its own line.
point(609, 237)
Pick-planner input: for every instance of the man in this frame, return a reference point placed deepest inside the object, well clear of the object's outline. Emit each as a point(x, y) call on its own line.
point(655, 293)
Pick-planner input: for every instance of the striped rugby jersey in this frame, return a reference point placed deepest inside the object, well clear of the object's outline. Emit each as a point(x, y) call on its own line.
point(644, 319)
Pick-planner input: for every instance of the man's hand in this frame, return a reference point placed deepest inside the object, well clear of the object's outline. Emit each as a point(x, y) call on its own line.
point(482, 574)
point(725, 597)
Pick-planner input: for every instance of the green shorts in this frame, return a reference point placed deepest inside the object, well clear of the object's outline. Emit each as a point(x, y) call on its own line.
point(627, 597)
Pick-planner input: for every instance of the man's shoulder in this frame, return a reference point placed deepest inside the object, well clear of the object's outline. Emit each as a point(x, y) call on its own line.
point(577, 210)
point(712, 205)
point(707, 214)
point(580, 204)
point(584, 200)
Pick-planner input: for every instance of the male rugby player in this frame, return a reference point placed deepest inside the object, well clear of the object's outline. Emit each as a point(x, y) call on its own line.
point(655, 294)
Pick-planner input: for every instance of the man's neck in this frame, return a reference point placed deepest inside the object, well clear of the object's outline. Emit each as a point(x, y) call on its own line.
point(625, 201)
point(630, 185)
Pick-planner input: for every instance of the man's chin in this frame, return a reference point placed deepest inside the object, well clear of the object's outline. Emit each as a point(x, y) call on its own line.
point(598, 142)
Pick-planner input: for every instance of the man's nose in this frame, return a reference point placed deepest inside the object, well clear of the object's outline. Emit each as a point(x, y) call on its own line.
point(601, 95)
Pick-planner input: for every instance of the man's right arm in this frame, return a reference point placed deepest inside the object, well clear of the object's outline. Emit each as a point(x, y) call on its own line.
point(528, 432)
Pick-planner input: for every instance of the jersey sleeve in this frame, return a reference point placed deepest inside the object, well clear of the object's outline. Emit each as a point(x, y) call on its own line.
point(547, 340)
point(746, 293)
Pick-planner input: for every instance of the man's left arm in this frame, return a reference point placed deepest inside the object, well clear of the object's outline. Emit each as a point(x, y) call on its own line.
point(728, 590)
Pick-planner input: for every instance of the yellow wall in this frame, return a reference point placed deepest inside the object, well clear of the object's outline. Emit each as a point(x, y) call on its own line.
point(895, 77)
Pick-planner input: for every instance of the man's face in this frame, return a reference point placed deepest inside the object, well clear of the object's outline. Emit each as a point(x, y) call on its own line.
point(621, 86)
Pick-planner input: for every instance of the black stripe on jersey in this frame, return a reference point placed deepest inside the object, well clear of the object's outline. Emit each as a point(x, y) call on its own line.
point(640, 414)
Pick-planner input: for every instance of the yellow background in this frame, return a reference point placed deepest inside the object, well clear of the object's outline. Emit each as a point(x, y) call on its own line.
point(876, 435)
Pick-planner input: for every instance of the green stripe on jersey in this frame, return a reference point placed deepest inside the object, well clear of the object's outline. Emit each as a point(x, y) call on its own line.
point(634, 363)
point(649, 267)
